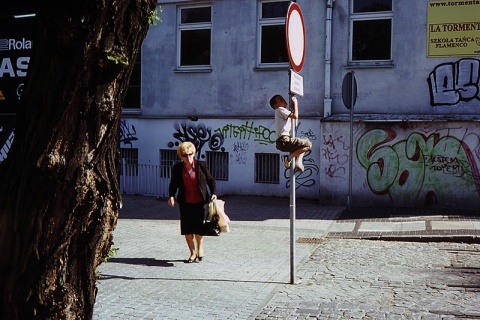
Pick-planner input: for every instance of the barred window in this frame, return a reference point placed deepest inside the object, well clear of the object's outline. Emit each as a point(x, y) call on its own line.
point(218, 164)
point(167, 159)
point(129, 157)
point(267, 168)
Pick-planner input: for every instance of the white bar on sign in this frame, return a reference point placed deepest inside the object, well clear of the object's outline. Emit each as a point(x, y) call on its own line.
point(296, 83)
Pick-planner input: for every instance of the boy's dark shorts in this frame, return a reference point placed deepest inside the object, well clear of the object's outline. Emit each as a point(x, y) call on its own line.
point(289, 144)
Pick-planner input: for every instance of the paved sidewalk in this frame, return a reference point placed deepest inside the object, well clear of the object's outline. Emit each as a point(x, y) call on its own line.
point(246, 272)
point(408, 224)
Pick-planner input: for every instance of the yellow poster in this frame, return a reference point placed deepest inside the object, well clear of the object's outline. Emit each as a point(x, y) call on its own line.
point(453, 28)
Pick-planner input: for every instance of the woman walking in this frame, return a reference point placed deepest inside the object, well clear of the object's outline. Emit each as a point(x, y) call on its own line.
point(188, 183)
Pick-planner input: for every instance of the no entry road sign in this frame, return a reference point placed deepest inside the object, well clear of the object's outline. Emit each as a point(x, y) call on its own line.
point(295, 32)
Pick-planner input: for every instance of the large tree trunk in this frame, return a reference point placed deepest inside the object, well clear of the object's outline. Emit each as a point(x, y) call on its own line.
point(59, 197)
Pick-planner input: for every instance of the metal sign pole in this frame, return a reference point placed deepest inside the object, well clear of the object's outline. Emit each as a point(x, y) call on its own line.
point(295, 38)
point(292, 205)
point(350, 160)
point(349, 96)
point(350, 173)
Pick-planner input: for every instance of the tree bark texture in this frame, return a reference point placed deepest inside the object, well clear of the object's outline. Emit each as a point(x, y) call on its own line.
point(59, 196)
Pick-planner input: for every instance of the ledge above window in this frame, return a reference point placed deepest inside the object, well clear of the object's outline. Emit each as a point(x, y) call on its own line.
point(369, 64)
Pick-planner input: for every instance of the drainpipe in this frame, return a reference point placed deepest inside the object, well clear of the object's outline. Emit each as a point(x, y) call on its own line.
point(327, 102)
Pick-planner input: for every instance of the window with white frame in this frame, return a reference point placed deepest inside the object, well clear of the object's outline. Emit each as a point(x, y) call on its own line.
point(194, 37)
point(371, 32)
point(272, 43)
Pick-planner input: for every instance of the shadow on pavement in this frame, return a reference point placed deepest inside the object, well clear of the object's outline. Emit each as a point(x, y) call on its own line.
point(238, 208)
point(149, 262)
point(375, 212)
point(111, 276)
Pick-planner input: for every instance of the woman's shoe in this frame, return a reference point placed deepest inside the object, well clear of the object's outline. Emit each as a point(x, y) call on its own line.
point(190, 260)
point(200, 258)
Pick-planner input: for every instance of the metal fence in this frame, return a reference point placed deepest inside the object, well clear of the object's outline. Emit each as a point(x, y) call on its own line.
point(143, 179)
point(148, 179)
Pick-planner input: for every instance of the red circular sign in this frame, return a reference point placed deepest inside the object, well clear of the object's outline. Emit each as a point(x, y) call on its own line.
point(295, 32)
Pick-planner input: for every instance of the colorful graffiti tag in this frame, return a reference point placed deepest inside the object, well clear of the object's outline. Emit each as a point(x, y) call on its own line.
point(422, 168)
point(247, 131)
point(452, 83)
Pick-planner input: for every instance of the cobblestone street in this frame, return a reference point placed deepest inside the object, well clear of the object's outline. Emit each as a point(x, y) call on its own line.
point(364, 279)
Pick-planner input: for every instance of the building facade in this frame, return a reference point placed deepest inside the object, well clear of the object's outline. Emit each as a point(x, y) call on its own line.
point(209, 68)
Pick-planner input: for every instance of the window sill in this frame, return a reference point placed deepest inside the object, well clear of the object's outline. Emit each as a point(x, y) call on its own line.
point(193, 70)
point(275, 68)
point(367, 117)
point(131, 112)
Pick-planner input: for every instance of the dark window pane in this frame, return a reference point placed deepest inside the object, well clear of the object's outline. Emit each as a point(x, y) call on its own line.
point(195, 47)
point(371, 5)
point(274, 44)
point(275, 9)
point(371, 39)
point(136, 77)
point(196, 15)
point(132, 98)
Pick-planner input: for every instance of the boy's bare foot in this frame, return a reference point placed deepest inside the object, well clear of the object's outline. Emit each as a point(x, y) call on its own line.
point(286, 161)
point(299, 166)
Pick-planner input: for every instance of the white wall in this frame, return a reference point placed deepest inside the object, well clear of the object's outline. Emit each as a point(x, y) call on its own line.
point(234, 87)
point(241, 138)
point(396, 108)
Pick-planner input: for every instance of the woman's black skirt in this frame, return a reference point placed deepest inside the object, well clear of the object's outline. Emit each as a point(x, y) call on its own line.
point(191, 218)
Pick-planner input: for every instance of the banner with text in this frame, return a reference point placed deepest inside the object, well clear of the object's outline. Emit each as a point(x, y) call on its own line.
point(453, 28)
point(15, 50)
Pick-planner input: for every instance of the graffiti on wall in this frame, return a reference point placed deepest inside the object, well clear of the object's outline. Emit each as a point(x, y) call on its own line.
point(199, 134)
point(422, 168)
point(308, 134)
point(452, 83)
point(127, 133)
point(248, 131)
point(305, 178)
point(335, 151)
point(240, 152)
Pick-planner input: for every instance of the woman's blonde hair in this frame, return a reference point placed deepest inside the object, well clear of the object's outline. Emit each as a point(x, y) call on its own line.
point(184, 147)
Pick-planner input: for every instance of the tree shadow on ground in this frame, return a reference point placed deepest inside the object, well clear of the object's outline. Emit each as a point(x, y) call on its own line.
point(238, 208)
point(149, 262)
